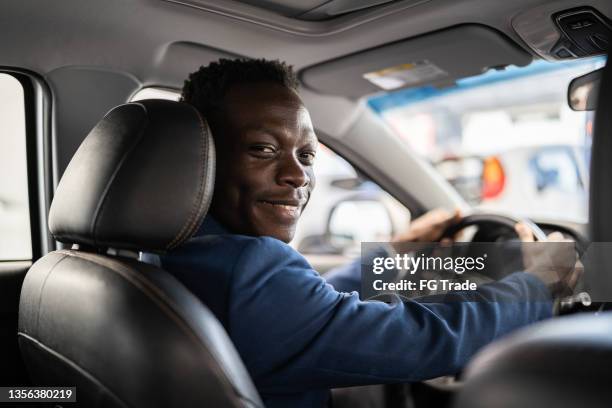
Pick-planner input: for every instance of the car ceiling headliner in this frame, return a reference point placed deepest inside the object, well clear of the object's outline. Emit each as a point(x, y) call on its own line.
point(140, 38)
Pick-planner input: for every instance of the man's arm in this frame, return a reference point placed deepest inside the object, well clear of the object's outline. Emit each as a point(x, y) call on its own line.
point(426, 228)
point(347, 278)
point(295, 332)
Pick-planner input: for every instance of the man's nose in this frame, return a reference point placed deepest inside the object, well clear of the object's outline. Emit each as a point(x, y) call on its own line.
point(292, 172)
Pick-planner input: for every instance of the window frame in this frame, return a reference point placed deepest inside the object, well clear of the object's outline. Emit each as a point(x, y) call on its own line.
point(39, 148)
point(365, 169)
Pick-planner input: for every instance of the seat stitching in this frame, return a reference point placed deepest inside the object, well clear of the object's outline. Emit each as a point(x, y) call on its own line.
point(42, 287)
point(198, 202)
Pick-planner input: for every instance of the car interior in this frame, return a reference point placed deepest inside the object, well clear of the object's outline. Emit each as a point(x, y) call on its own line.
point(95, 174)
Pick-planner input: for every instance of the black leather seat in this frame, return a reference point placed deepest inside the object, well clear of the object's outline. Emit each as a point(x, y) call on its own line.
point(125, 333)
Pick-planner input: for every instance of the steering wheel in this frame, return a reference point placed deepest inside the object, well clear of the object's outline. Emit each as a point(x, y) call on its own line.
point(492, 227)
point(494, 220)
point(497, 222)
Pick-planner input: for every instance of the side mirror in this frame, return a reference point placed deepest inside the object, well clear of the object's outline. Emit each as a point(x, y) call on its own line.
point(358, 220)
point(582, 92)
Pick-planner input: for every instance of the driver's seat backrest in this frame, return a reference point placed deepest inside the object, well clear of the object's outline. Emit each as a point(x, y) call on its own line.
point(126, 333)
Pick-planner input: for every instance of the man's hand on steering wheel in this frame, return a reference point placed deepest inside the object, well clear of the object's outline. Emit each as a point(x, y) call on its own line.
point(561, 279)
point(429, 227)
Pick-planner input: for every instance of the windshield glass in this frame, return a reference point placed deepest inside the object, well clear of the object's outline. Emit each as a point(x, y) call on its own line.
point(505, 140)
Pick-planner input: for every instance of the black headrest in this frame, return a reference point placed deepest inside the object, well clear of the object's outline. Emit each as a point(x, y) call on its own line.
point(141, 180)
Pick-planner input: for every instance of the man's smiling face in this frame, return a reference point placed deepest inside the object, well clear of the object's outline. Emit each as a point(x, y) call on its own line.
point(266, 147)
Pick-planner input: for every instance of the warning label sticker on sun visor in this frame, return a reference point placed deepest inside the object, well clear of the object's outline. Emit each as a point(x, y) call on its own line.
point(405, 74)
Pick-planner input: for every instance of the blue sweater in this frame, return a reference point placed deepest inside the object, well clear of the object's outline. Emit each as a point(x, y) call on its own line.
point(300, 334)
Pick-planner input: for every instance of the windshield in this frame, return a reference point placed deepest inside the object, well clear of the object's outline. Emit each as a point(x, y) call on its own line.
point(505, 140)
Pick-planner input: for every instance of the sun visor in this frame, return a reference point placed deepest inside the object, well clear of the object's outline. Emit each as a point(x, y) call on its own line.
point(437, 59)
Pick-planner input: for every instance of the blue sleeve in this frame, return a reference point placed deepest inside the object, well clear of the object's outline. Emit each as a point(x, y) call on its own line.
point(347, 278)
point(295, 332)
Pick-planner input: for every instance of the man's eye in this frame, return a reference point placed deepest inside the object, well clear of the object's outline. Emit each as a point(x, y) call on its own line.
point(263, 150)
point(307, 157)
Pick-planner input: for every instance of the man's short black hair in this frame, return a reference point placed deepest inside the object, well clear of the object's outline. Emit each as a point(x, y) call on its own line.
point(206, 88)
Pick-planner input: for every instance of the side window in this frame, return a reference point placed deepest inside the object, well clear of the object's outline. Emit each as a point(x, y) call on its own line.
point(345, 209)
point(15, 242)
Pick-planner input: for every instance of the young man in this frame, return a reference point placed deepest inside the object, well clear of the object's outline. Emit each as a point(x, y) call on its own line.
point(298, 333)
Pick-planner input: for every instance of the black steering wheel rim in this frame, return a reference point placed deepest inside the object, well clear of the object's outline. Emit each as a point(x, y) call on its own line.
point(496, 219)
